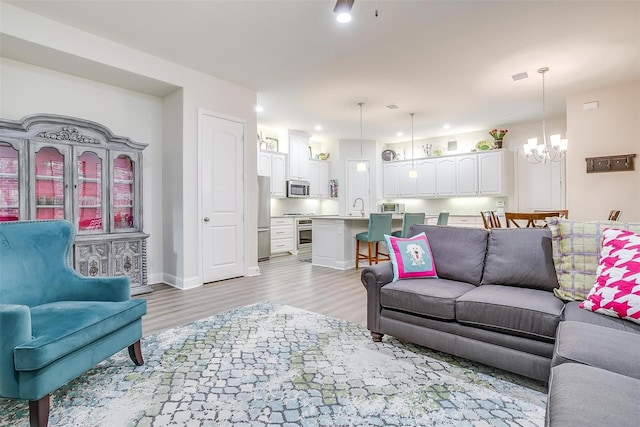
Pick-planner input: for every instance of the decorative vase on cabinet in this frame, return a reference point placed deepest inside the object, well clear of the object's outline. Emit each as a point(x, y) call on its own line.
point(57, 167)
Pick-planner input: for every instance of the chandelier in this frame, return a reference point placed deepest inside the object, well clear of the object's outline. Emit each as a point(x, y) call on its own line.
point(540, 153)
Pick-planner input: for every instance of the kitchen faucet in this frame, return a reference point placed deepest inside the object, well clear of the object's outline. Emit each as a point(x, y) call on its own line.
point(356, 201)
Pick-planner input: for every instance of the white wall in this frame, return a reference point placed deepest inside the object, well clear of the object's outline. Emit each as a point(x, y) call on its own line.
point(27, 89)
point(199, 90)
point(612, 129)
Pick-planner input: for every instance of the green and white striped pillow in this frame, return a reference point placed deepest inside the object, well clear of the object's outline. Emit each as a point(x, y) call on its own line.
point(576, 252)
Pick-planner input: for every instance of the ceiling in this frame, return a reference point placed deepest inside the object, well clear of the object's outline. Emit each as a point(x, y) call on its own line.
point(447, 61)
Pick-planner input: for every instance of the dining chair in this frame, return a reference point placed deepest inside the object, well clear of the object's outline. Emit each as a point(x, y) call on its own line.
point(379, 225)
point(490, 219)
point(614, 215)
point(408, 220)
point(443, 218)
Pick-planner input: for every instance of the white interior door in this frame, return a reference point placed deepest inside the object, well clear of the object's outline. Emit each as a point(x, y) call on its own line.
point(222, 197)
point(539, 186)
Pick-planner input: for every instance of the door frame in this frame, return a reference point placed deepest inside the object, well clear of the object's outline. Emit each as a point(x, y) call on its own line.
point(243, 122)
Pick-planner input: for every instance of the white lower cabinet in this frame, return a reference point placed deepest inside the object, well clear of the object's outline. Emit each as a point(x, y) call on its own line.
point(465, 221)
point(282, 236)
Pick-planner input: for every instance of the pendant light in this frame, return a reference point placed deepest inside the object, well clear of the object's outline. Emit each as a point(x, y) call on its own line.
point(413, 173)
point(361, 166)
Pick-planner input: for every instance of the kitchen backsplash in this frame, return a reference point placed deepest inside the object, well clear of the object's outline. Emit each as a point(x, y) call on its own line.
point(281, 206)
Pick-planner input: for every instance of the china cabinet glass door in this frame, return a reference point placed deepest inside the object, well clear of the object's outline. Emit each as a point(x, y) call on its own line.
point(90, 193)
point(9, 183)
point(123, 193)
point(50, 184)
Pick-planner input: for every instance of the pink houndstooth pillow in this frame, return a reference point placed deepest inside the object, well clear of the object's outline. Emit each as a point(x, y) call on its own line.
point(617, 289)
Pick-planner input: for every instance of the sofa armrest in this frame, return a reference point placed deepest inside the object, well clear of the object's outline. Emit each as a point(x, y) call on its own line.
point(76, 287)
point(374, 278)
point(15, 329)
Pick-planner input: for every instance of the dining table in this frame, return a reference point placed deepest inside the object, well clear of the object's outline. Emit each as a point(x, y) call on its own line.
point(533, 219)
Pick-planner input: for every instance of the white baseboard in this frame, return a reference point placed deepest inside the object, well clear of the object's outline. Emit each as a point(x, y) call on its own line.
point(253, 271)
point(176, 282)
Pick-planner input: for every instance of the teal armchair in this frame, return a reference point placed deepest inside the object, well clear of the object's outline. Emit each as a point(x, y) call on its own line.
point(54, 323)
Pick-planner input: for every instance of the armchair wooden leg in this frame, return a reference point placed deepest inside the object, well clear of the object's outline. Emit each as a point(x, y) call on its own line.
point(135, 353)
point(39, 412)
point(376, 336)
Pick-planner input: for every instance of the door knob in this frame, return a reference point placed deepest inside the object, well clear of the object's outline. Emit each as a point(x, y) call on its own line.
point(206, 219)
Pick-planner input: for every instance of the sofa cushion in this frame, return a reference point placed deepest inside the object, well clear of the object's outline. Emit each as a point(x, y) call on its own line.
point(576, 250)
point(597, 346)
point(516, 311)
point(458, 252)
point(60, 328)
point(573, 312)
point(520, 257)
point(616, 292)
point(585, 396)
point(426, 297)
point(411, 257)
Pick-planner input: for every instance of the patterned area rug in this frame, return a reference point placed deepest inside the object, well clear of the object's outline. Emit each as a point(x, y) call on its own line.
point(269, 364)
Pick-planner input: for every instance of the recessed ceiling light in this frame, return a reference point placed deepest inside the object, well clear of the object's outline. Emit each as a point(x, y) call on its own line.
point(392, 106)
point(318, 127)
point(259, 109)
point(343, 18)
point(399, 134)
point(446, 126)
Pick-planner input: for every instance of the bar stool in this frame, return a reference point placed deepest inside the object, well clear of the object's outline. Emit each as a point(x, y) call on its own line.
point(379, 225)
point(443, 218)
point(407, 221)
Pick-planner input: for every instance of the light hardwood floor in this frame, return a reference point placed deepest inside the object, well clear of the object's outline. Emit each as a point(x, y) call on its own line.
point(283, 279)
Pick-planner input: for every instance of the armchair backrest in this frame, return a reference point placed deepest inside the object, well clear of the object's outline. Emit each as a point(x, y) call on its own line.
point(34, 261)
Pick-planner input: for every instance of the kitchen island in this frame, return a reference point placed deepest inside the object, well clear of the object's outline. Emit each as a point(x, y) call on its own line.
point(334, 239)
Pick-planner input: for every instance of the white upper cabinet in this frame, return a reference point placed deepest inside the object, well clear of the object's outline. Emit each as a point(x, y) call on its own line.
point(264, 163)
point(278, 175)
point(298, 156)
point(407, 185)
point(426, 182)
point(391, 174)
point(467, 175)
point(274, 165)
point(319, 178)
point(491, 173)
point(446, 176)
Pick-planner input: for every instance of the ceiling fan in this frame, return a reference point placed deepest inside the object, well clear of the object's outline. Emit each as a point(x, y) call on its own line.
point(343, 9)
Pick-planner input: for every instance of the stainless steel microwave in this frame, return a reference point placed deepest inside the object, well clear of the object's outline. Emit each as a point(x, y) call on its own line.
point(397, 208)
point(297, 189)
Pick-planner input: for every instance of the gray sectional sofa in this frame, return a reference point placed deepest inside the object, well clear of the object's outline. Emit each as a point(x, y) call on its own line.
point(493, 303)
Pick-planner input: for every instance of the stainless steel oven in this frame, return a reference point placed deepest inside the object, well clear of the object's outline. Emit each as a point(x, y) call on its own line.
point(303, 234)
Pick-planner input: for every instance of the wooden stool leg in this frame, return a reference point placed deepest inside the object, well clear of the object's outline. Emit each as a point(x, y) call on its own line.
point(377, 252)
point(357, 252)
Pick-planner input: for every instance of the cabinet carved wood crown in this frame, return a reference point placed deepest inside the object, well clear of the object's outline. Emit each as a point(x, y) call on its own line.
point(59, 167)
